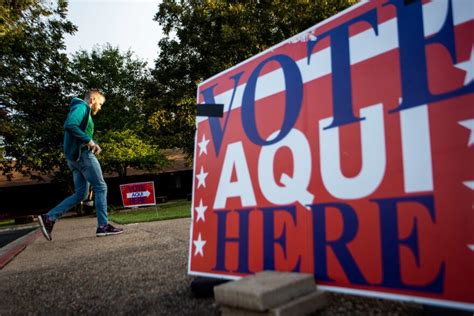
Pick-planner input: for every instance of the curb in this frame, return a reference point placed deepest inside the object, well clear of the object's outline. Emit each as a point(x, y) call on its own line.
point(8, 252)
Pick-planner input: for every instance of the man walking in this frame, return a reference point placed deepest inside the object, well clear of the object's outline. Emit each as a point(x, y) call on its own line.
point(80, 151)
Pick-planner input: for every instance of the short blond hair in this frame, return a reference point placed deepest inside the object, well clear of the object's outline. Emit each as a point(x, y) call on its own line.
point(92, 92)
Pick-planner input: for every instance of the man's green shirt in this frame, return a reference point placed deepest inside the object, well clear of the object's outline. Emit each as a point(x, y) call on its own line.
point(90, 128)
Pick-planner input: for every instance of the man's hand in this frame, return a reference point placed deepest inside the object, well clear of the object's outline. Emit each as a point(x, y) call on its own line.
point(96, 150)
point(94, 147)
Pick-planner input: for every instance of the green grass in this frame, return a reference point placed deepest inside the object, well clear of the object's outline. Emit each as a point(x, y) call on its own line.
point(7, 222)
point(171, 210)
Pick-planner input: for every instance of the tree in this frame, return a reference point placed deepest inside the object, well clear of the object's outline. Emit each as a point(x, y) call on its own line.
point(2, 150)
point(33, 85)
point(11, 11)
point(120, 124)
point(123, 149)
point(203, 38)
point(122, 79)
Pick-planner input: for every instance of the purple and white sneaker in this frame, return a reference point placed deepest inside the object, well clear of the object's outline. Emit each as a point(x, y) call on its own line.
point(107, 230)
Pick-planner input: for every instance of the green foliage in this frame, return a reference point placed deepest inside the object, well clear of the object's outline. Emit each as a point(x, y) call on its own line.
point(123, 149)
point(172, 210)
point(204, 38)
point(120, 77)
point(33, 85)
point(120, 124)
point(173, 124)
point(7, 222)
point(12, 11)
point(2, 150)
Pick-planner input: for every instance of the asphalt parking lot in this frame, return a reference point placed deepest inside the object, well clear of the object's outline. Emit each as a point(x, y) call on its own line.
point(142, 271)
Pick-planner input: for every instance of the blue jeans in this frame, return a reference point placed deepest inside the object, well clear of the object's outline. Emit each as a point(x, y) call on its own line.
point(84, 171)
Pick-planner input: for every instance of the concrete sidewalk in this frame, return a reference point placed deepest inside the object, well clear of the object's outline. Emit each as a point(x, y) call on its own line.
point(142, 271)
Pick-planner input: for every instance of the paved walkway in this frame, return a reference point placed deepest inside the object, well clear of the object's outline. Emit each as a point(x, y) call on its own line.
point(142, 271)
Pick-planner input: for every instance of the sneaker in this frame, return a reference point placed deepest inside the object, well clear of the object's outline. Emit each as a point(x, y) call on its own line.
point(46, 226)
point(107, 229)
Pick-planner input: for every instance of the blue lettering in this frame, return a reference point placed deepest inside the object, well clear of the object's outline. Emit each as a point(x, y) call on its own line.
point(341, 68)
point(216, 129)
point(391, 243)
point(294, 96)
point(412, 42)
point(269, 239)
point(242, 240)
point(339, 247)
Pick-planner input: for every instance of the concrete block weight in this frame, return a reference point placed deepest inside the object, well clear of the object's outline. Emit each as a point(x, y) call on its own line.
point(304, 305)
point(265, 290)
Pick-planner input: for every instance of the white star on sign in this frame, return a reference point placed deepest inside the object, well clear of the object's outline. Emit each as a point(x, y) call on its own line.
point(468, 67)
point(471, 247)
point(203, 145)
point(202, 178)
point(469, 184)
point(200, 211)
point(469, 124)
point(199, 244)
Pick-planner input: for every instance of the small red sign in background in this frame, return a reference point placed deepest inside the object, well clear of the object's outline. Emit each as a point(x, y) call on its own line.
point(138, 194)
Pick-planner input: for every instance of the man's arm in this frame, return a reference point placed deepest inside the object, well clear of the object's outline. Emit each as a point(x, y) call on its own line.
point(73, 123)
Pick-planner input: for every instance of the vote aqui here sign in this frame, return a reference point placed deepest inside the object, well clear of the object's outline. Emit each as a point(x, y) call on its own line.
point(138, 194)
point(346, 151)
